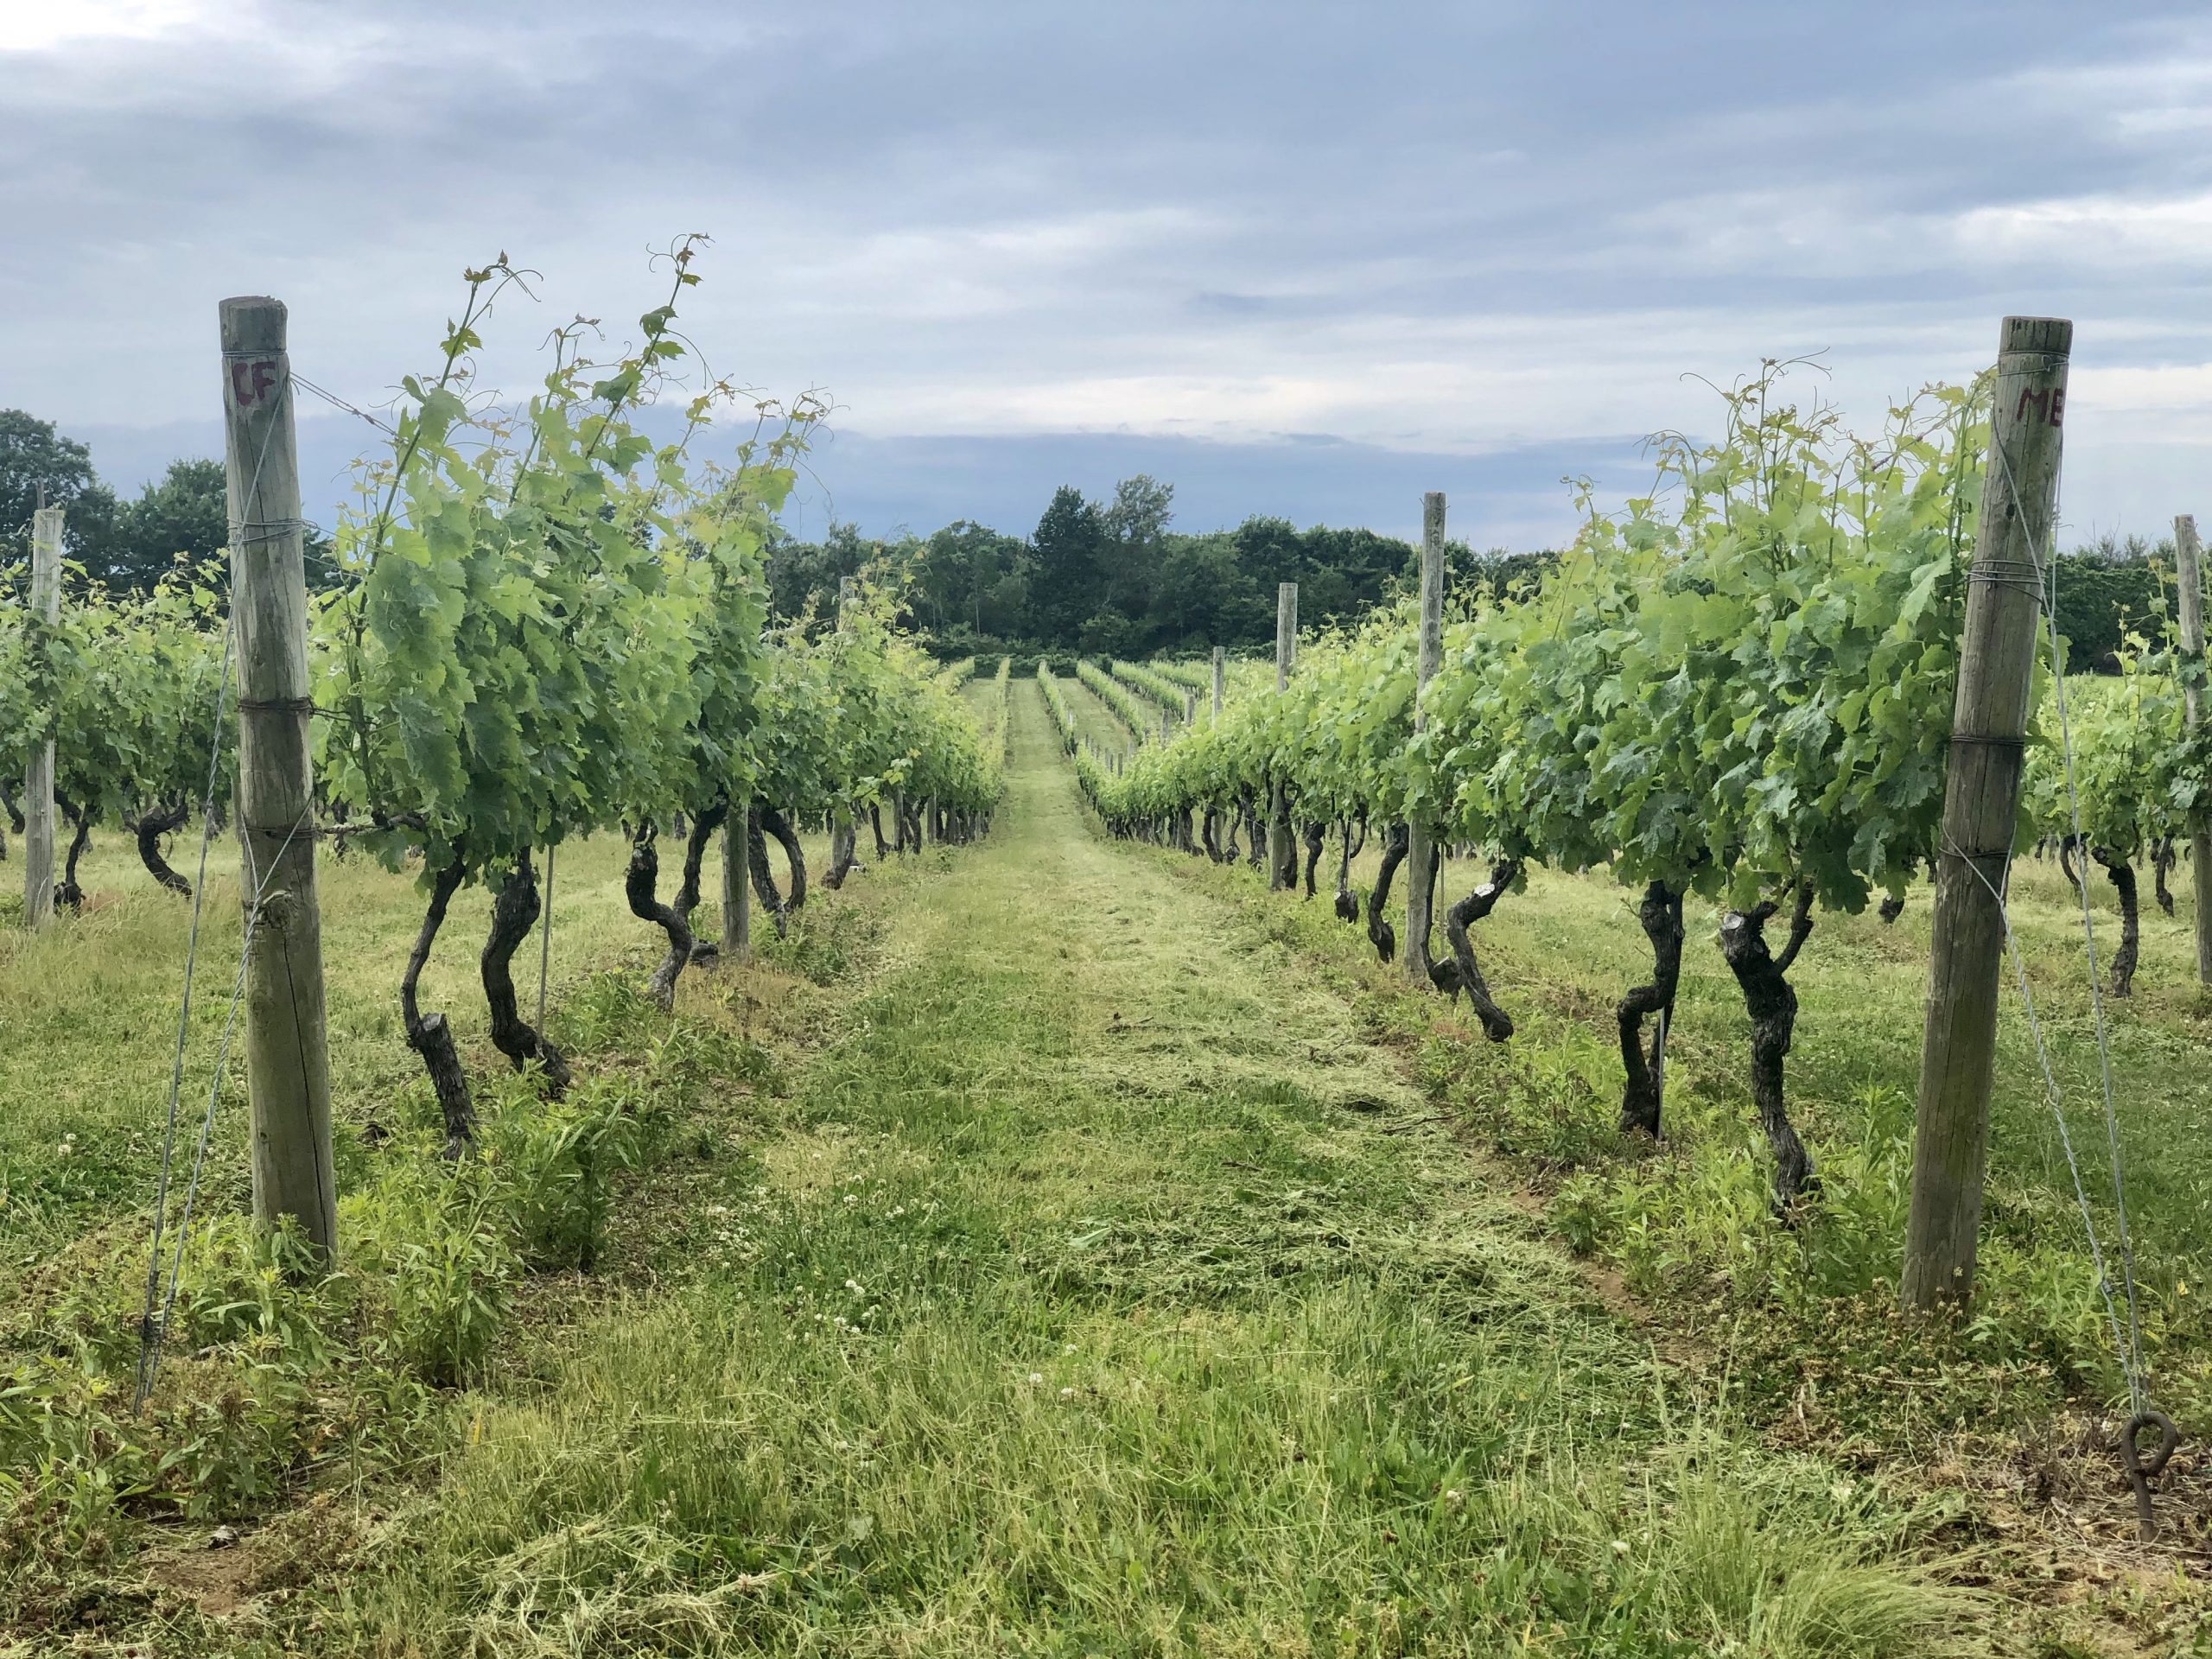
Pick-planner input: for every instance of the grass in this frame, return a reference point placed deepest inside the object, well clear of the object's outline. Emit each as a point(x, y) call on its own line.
point(88, 1015)
point(1098, 1265)
point(1688, 1222)
point(1100, 1290)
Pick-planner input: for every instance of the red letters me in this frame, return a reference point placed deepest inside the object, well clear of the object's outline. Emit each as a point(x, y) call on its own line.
point(252, 379)
point(2051, 405)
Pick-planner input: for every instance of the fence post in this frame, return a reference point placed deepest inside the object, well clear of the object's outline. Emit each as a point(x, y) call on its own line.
point(1282, 858)
point(38, 775)
point(1420, 842)
point(737, 887)
point(1220, 679)
point(1981, 802)
point(287, 1065)
point(2190, 579)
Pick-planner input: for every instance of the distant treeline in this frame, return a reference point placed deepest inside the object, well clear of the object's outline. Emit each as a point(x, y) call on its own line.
point(1112, 578)
point(1109, 578)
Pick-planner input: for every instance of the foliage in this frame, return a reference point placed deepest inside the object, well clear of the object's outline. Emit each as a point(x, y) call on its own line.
point(40, 467)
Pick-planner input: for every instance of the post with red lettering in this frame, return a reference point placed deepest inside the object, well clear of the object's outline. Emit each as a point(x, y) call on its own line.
point(1989, 723)
point(286, 1060)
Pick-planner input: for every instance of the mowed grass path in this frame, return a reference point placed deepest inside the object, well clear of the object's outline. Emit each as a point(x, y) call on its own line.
point(1101, 1289)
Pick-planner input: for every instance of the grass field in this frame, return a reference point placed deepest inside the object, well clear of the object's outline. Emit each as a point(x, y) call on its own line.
point(1066, 1247)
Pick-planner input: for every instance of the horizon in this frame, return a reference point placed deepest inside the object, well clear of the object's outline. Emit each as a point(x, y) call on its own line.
point(1464, 283)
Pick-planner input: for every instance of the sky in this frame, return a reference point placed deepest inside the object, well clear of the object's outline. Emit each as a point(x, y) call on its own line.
point(1301, 259)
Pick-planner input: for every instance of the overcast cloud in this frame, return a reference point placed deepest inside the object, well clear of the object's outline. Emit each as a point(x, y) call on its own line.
point(1297, 258)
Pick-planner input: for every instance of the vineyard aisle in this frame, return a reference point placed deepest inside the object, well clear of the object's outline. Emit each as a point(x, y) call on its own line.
point(1100, 1287)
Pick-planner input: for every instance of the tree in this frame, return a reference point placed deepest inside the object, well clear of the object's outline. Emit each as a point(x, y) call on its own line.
point(185, 514)
point(1067, 588)
point(1205, 596)
point(800, 571)
point(963, 578)
point(38, 466)
point(1133, 533)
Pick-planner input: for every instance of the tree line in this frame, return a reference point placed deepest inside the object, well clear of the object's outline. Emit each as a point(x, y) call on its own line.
point(1110, 578)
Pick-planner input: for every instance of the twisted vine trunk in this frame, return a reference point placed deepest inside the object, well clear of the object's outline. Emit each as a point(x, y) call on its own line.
point(15, 813)
point(1660, 913)
point(1462, 973)
point(429, 1034)
point(1254, 832)
point(148, 831)
point(1206, 835)
point(844, 851)
point(1316, 833)
point(773, 823)
point(514, 913)
point(68, 895)
point(640, 885)
point(1892, 907)
point(764, 879)
point(1763, 979)
point(1380, 933)
point(641, 882)
point(2066, 862)
point(2162, 866)
point(876, 823)
point(2122, 872)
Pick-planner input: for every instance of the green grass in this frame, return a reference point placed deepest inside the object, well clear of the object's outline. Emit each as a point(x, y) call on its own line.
point(1688, 1222)
point(1101, 1289)
point(88, 1015)
point(1094, 1261)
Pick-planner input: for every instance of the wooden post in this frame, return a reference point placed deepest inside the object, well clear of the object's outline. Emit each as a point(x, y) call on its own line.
point(737, 886)
point(1166, 725)
point(287, 1066)
point(38, 775)
point(1421, 844)
point(2190, 575)
point(1981, 797)
point(1190, 708)
point(1220, 680)
point(1283, 861)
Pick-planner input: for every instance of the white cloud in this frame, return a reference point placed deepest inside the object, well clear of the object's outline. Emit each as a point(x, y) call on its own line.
point(45, 25)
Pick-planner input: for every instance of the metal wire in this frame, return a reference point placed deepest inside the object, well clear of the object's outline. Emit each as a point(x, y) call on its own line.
point(2131, 1358)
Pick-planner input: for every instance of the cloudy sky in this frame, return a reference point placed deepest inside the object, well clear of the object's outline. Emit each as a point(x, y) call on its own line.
point(1296, 258)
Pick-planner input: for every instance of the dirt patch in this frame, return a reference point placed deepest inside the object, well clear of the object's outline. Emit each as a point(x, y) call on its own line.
point(218, 1580)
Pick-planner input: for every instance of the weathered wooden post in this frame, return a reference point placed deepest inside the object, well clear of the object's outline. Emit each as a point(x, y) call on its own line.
point(1166, 725)
point(1220, 680)
point(1421, 843)
point(737, 886)
point(1989, 723)
point(1190, 708)
point(288, 1066)
point(1282, 857)
point(2191, 577)
point(38, 775)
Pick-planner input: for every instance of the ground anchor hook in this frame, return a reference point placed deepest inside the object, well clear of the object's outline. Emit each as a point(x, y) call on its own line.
point(2142, 1470)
